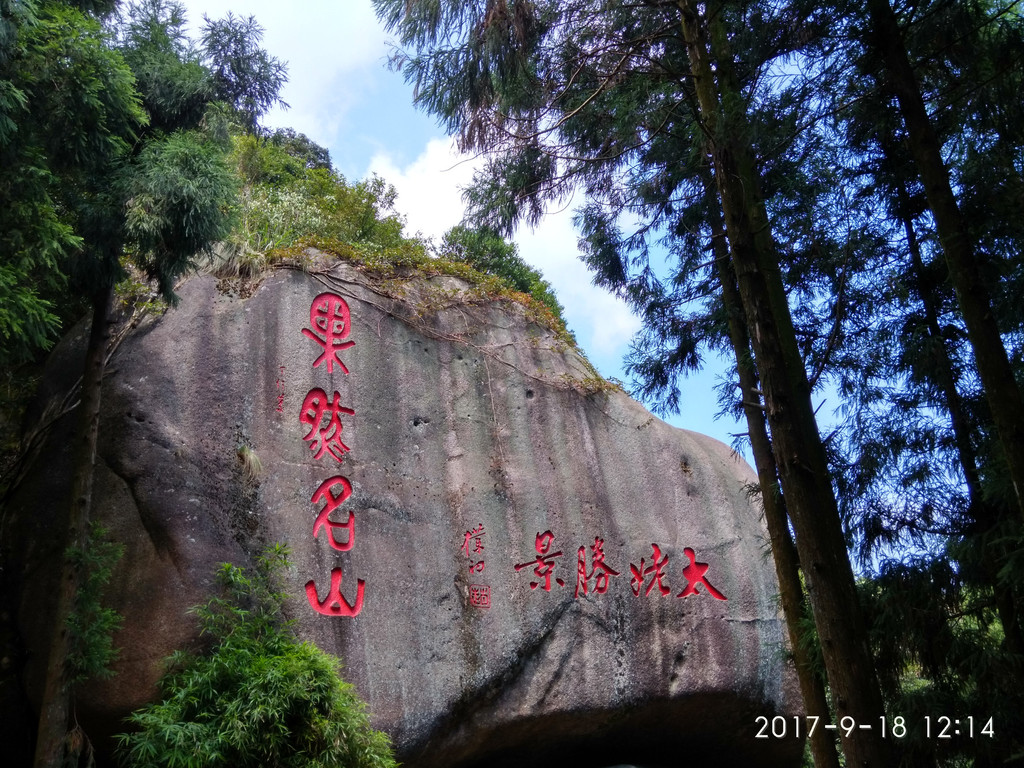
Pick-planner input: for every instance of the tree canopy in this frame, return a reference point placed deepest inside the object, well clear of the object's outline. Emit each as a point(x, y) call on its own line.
point(113, 156)
point(131, 154)
point(772, 163)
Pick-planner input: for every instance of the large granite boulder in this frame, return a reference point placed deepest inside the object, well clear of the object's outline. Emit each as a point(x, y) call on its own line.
point(517, 565)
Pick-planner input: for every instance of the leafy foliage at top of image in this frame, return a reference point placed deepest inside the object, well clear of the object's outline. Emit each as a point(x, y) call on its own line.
point(257, 696)
point(486, 251)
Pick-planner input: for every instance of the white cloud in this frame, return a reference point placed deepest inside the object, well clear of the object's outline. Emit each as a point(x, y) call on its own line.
point(429, 188)
point(325, 36)
point(429, 196)
point(602, 322)
point(333, 49)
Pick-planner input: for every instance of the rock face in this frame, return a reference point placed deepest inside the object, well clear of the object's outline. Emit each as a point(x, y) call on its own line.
point(535, 572)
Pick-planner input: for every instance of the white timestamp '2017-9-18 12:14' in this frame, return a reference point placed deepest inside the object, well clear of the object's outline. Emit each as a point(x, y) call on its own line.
point(942, 727)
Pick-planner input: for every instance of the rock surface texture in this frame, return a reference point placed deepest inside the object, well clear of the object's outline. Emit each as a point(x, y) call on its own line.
point(481, 474)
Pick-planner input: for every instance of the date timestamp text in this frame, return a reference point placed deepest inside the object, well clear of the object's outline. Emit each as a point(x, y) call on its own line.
point(942, 727)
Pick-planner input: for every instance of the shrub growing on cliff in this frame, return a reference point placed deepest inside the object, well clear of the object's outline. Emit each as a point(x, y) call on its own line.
point(488, 252)
point(257, 697)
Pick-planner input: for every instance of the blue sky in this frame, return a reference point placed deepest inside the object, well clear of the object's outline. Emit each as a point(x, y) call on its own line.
point(343, 96)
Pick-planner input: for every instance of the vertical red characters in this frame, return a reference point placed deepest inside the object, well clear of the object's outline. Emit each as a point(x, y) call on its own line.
point(473, 547)
point(329, 314)
point(280, 389)
point(330, 319)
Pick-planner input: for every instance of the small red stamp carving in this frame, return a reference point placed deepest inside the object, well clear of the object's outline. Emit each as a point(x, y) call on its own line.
point(480, 595)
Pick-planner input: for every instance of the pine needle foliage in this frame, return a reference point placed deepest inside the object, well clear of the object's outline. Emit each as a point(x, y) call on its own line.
point(940, 647)
point(258, 696)
point(92, 626)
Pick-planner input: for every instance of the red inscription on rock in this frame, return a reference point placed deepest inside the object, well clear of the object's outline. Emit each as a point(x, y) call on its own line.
point(476, 536)
point(280, 390)
point(655, 570)
point(473, 544)
point(600, 571)
point(324, 493)
point(335, 603)
point(331, 324)
point(480, 595)
point(694, 573)
point(329, 314)
point(327, 438)
point(544, 563)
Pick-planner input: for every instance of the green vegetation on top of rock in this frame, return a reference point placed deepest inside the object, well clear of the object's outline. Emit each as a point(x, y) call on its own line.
point(291, 199)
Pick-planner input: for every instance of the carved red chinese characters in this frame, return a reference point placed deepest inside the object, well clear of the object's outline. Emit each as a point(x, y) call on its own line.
point(314, 408)
point(480, 595)
point(655, 569)
point(473, 546)
point(331, 321)
point(545, 563)
point(600, 571)
point(694, 574)
point(280, 390)
point(330, 315)
point(323, 493)
point(649, 574)
point(335, 603)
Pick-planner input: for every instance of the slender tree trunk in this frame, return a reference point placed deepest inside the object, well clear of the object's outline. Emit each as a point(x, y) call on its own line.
point(981, 510)
point(799, 453)
point(787, 569)
point(993, 364)
point(52, 745)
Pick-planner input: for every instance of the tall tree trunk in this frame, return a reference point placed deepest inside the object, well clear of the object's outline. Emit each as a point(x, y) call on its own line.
point(787, 569)
point(993, 364)
point(53, 748)
point(799, 453)
point(981, 509)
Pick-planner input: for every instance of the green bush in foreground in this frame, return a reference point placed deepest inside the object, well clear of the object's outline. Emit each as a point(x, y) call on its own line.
point(257, 697)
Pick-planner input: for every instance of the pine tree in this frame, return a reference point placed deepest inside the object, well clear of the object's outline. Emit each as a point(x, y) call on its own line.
point(630, 103)
point(974, 298)
point(158, 196)
point(925, 461)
